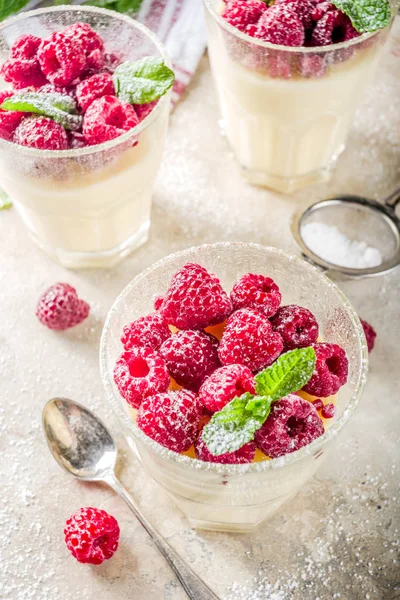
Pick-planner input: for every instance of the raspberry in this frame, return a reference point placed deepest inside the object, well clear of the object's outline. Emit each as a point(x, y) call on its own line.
point(91, 42)
point(91, 535)
point(151, 331)
point(328, 411)
point(9, 119)
point(241, 13)
point(171, 419)
point(291, 424)
point(280, 26)
point(334, 27)
point(41, 133)
point(303, 9)
point(25, 47)
point(330, 372)
point(191, 356)
point(23, 69)
point(296, 325)
point(143, 110)
point(249, 340)
point(319, 405)
point(320, 9)
point(225, 384)
point(258, 292)
point(245, 454)
point(107, 118)
point(61, 59)
point(195, 299)
point(94, 87)
point(140, 372)
point(60, 308)
point(369, 332)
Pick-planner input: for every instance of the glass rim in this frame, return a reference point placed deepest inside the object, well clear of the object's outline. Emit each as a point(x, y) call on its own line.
point(226, 469)
point(209, 5)
point(91, 150)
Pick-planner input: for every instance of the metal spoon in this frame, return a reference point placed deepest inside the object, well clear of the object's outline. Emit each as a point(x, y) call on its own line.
point(83, 446)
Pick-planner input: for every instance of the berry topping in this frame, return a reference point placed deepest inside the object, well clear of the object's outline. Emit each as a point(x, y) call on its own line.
point(369, 331)
point(9, 119)
point(143, 110)
point(151, 331)
point(107, 118)
point(258, 292)
point(171, 419)
point(242, 13)
point(195, 299)
point(281, 26)
point(331, 370)
point(244, 455)
point(296, 325)
point(328, 411)
point(90, 41)
point(61, 58)
point(303, 9)
point(249, 340)
point(291, 424)
point(91, 535)
point(41, 133)
point(94, 87)
point(140, 372)
point(332, 28)
point(60, 308)
point(225, 384)
point(191, 356)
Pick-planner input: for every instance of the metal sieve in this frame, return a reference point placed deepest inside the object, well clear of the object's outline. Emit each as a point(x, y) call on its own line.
point(367, 223)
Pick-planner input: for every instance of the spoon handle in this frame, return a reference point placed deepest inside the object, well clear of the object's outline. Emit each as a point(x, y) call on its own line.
point(194, 587)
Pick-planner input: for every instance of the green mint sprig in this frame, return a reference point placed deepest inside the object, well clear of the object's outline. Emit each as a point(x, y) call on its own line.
point(235, 425)
point(366, 15)
point(58, 107)
point(9, 7)
point(142, 81)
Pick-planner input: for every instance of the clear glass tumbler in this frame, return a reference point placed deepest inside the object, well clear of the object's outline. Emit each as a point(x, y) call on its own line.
point(88, 207)
point(286, 111)
point(237, 497)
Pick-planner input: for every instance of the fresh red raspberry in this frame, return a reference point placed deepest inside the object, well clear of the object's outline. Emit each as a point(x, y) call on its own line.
point(334, 27)
point(94, 87)
point(291, 424)
point(328, 411)
point(107, 118)
point(140, 372)
point(61, 58)
point(195, 299)
point(303, 9)
point(241, 13)
point(25, 46)
point(280, 26)
point(330, 372)
point(91, 535)
point(150, 331)
point(60, 308)
point(191, 356)
point(249, 340)
point(143, 110)
point(23, 69)
point(91, 42)
point(318, 403)
point(171, 419)
point(369, 332)
point(9, 119)
point(257, 292)
point(320, 9)
point(41, 133)
point(225, 384)
point(245, 454)
point(296, 325)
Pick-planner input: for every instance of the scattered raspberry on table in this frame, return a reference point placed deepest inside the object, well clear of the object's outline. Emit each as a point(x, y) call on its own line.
point(91, 535)
point(60, 308)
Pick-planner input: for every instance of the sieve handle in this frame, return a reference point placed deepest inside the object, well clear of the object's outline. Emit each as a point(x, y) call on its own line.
point(393, 200)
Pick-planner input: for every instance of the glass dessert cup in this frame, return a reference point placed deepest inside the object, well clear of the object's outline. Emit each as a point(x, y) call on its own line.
point(286, 111)
point(237, 497)
point(87, 207)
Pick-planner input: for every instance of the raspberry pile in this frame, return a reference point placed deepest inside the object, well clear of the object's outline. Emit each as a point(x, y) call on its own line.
point(178, 375)
point(72, 62)
point(290, 22)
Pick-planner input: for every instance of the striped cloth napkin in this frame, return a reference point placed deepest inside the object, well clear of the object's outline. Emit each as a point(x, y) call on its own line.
point(179, 25)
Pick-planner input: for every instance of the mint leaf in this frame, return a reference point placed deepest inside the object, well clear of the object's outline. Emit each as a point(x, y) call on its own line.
point(122, 6)
point(366, 15)
point(288, 374)
point(235, 425)
point(5, 202)
point(142, 81)
point(58, 107)
point(9, 7)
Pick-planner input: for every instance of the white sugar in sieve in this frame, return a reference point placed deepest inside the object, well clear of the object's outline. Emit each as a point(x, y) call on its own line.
point(350, 235)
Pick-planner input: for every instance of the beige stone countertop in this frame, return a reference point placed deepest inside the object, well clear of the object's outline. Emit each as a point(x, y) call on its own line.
point(338, 537)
